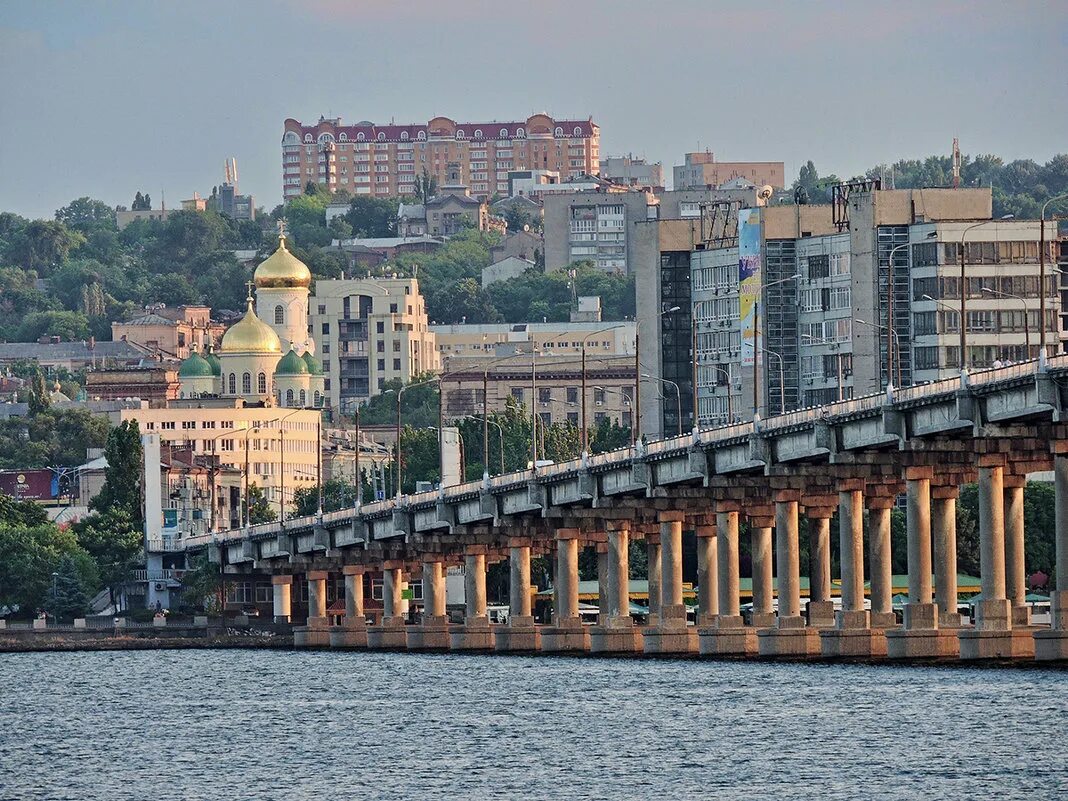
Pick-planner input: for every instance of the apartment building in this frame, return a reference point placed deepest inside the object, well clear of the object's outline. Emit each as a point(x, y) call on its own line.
point(370, 331)
point(385, 160)
point(489, 339)
point(701, 170)
point(633, 172)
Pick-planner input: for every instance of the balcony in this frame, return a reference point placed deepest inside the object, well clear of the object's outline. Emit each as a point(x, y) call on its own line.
point(168, 574)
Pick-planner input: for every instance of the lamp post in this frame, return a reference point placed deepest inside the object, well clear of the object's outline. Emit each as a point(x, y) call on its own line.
point(484, 419)
point(282, 460)
point(1027, 326)
point(838, 353)
point(678, 399)
point(1042, 279)
point(211, 476)
point(248, 430)
point(890, 358)
point(585, 428)
point(756, 340)
point(400, 394)
point(782, 377)
point(730, 395)
point(896, 340)
point(635, 433)
point(964, 295)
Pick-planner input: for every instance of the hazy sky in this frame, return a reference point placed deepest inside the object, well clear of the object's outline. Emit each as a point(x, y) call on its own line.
point(107, 98)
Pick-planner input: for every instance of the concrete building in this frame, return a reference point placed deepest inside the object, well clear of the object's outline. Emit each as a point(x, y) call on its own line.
point(508, 267)
point(370, 330)
point(633, 172)
point(384, 160)
point(522, 244)
point(500, 339)
point(370, 252)
point(702, 171)
point(522, 183)
point(156, 383)
point(171, 332)
point(73, 356)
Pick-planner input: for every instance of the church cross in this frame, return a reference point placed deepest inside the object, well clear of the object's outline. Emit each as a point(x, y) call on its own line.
point(282, 228)
point(250, 285)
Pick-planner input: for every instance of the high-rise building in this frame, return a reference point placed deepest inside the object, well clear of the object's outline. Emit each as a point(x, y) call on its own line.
point(701, 170)
point(386, 160)
point(631, 171)
point(370, 331)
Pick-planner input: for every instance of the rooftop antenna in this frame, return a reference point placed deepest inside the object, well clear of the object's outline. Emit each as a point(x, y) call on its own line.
point(956, 164)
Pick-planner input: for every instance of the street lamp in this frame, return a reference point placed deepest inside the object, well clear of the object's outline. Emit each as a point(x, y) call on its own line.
point(782, 377)
point(813, 341)
point(282, 460)
point(890, 310)
point(964, 295)
point(585, 428)
point(248, 430)
point(484, 419)
point(730, 394)
point(1042, 279)
point(756, 340)
point(678, 399)
point(400, 394)
point(897, 347)
point(1027, 325)
point(635, 433)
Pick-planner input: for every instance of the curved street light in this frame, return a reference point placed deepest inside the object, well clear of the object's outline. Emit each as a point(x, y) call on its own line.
point(1027, 325)
point(1042, 279)
point(756, 339)
point(964, 294)
point(678, 399)
point(636, 428)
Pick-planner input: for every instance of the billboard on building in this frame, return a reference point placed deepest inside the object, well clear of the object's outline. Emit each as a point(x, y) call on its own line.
point(749, 280)
point(29, 485)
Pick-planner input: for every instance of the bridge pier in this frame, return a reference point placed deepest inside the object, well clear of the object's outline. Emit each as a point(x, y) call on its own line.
point(944, 534)
point(790, 636)
point(315, 633)
point(1015, 568)
point(880, 566)
point(852, 635)
point(566, 634)
point(617, 632)
point(820, 607)
point(390, 634)
point(282, 587)
point(653, 568)
point(707, 572)
point(760, 523)
point(520, 633)
point(921, 637)
point(993, 637)
point(727, 635)
point(432, 632)
point(1053, 644)
point(672, 634)
point(475, 634)
point(352, 633)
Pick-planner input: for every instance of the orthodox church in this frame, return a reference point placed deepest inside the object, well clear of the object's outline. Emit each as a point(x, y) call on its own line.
point(268, 360)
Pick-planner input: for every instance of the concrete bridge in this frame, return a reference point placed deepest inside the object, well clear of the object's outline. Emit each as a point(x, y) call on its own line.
point(856, 456)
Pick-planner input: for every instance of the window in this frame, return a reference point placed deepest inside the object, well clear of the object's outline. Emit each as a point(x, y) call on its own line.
point(558, 132)
point(517, 394)
point(261, 383)
point(392, 308)
point(381, 366)
point(421, 135)
point(520, 133)
point(289, 399)
point(233, 384)
point(380, 327)
point(545, 395)
point(404, 136)
point(578, 131)
point(504, 133)
point(303, 398)
point(319, 402)
point(572, 395)
point(599, 395)
point(326, 329)
point(246, 383)
point(396, 364)
point(381, 137)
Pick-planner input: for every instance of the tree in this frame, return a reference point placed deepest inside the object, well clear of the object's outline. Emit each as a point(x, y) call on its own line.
point(426, 186)
point(40, 398)
point(69, 326)
point(201, 586)
point(29, 554)
point(256, 507)
point(141, 202)
point(463, 302)
point(68, 597)
point(337, 495)
point(419, 405)
point(372, 216)
point(113, 540)
point(121, 492)
point(42, 245)
point(86, 214)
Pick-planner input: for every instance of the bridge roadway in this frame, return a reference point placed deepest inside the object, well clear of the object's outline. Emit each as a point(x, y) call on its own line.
point(855, 456)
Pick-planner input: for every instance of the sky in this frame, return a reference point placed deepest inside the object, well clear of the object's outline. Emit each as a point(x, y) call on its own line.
point(108, 98)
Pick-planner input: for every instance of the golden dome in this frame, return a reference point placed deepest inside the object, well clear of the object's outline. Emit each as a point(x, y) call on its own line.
point(250, 335)
point(282, 269)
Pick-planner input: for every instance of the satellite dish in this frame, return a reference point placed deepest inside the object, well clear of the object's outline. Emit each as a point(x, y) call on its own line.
point(765, 192)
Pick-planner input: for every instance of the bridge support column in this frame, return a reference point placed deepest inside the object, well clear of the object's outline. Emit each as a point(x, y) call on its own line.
point(567, 632)
point(944, 535)
point(763, 598)
point(432, 633)
point(352, 633)
point(993, 637)
point(475, 634)
point(879, 563)
point(1015, 566)
point(617, 633)
point(707, 575)
point(852, 635)
point(520, 633)
point(672, 634)
point(1053, 644)
point(283, 598)
point(728, 636)
point(790, 636)
point(920, 638)
point(820, 607)
point(653, 561)
point(390, 634)
point(315, 633)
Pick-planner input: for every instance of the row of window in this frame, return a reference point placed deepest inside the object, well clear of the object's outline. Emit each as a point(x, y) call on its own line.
point(1006, 321)
point(461, 133)
point(948, 287)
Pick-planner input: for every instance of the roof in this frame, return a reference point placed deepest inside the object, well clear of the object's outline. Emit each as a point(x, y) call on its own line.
point(291, 364)
point(442, 199)
point(282, 269)
point(196, 366)
point(70, 350)
point(250, 335)
point(150, 318)
point(411, 211)
point(315, 367)
point(492, 130)
point(386, 241)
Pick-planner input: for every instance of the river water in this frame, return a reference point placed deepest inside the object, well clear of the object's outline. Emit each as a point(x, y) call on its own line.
point(244, 724)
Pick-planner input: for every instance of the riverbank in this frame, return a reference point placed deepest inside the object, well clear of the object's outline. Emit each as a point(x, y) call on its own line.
point(136, 637)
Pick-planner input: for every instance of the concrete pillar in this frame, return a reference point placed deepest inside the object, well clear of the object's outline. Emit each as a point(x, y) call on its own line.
point(787, 565)
point(727, 566)
point(317, 597)
point(391, 594)
point(707, 575)
point(820, 607)
point(920, 612)
point(352, 633)
point(879, 562)
point(283, 598)
point(652, 557)
point(944, 534)
point(475, 587)
point(1053, 644)
point(618, 589)
point(353, 596)
point(992, 612)
point(392, 632)
point(519, 584)
point(565, 591)
point(602, 583)
point(671, 569)
point(1015, 566)
point(851, 546)
point(433, 590)
point(763, 598)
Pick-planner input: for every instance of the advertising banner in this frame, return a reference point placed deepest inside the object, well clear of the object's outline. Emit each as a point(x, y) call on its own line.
point(749, 280)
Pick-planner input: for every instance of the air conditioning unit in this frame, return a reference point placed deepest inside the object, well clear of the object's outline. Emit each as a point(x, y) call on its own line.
point(159, 586)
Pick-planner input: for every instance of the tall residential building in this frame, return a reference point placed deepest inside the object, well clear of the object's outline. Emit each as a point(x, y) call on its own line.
point(634, 172)
point(701, 170)
point(370, 331)
point(602, 338)
point(385, 160)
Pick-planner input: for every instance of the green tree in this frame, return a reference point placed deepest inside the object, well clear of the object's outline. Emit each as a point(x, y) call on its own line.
point(419, 405)
point(372, 217)
point(337, 495)
point(121, 492)
point(201, 586)
point(86, 214)
point(40, 398)
point(113, 540)
point(426, 186)
point(256, 507)
point(42, 245)
point(69, 326)
point(29, 555)
point(68, 597)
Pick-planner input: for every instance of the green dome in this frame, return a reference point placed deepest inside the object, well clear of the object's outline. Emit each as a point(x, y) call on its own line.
point(291, 364)
point(315, 367)
point(196, 366)
point(213, 360)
